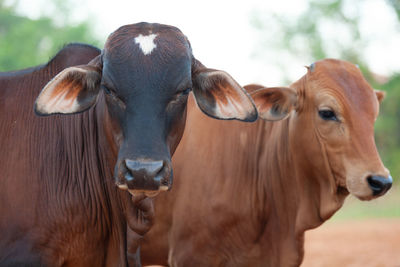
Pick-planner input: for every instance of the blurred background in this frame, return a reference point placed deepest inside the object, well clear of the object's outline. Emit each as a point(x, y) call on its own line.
point(256, 41)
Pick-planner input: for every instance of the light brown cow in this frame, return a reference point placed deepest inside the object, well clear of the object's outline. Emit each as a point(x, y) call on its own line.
point(246, 193)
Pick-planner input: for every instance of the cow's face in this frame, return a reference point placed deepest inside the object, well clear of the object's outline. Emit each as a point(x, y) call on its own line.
point(334, 111)
point(146, 72)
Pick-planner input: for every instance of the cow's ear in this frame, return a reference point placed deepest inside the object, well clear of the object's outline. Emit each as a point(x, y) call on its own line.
point(380, 95)
point(219, 96)
point(253, 87)
point(73, 90)
point(274, 103)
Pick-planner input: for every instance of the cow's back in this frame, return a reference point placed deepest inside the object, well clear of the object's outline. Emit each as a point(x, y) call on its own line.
point(28, 144)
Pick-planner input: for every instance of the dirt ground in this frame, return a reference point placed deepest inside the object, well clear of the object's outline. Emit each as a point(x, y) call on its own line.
point(359, 243)
point(366, 243)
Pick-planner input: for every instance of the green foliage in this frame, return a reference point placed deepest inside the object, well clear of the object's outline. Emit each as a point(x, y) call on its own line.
point(325, 29)
point(396, 6)
point(26, 42)
point(388, 126)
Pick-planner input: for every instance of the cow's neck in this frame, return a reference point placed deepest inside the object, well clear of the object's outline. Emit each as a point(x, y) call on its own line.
point(279, 242)
point(114, 201)
point(297, 195)
point(319, 195)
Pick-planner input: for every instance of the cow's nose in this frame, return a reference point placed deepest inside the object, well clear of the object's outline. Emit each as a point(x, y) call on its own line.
point(145, 169)
point(379, 184)
point(147, 175)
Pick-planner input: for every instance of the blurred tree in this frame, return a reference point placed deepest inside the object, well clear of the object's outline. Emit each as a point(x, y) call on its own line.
point(388, 126)
point(326, 28)
point(396, 6)
point(331, 28)
point(25, 42)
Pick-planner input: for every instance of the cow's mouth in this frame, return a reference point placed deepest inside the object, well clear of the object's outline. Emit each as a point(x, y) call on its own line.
point(147, 193)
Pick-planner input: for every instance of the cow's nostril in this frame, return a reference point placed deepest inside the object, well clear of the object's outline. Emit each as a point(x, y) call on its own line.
point(146, 175)
point(144, 169)
point(379, 185)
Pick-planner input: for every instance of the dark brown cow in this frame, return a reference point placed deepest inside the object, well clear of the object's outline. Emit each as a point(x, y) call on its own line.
point(59, 203)
point(250, 191)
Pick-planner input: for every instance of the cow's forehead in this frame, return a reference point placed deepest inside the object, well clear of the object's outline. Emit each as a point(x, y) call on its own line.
point(342, 77)
point(334, 68)
point(146, 39)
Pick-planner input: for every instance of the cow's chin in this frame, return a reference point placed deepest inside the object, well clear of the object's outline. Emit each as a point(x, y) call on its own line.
point(366, 198)
point(147, 193)
point(360, 190)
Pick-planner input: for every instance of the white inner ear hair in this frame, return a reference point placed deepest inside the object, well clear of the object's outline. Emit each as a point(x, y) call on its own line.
point(146, 43)
point(58, 104)
point(49, 103)
point(237, 105)
point(231, 109)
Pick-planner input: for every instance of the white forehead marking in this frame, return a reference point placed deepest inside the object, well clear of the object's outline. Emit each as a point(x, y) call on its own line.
point(146, 43)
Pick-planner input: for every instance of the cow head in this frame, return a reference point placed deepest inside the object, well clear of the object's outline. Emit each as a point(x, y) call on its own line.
point(146, 72)
point(332, 112)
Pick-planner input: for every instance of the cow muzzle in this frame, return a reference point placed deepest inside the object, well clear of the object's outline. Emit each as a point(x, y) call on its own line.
point(148, 177)
point(379, 185)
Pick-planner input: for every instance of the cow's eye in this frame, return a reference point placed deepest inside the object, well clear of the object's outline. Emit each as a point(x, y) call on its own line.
point(186, 91)
point(328, 115)
point(106, 90)
point(113, 96)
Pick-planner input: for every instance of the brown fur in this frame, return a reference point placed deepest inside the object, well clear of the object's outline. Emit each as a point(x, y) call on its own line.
point(250, 191)
point(59, 205)
point(129, 114)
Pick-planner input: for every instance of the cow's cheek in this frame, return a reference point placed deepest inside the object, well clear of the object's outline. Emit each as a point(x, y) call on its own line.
point(176, 128)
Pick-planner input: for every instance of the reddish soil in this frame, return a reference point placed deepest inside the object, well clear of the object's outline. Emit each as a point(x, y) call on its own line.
point(372, 243)
point(361, 243)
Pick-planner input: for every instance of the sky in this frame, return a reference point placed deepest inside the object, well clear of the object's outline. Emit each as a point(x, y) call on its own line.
point(223, 37)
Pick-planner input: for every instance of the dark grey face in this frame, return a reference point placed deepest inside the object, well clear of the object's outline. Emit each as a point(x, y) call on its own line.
point(146, 72)
point(147, 78)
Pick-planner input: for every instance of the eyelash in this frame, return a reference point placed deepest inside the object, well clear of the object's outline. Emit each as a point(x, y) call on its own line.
point(328, 115)
point(106, 90)
point(110, 93)
point(186, 91)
